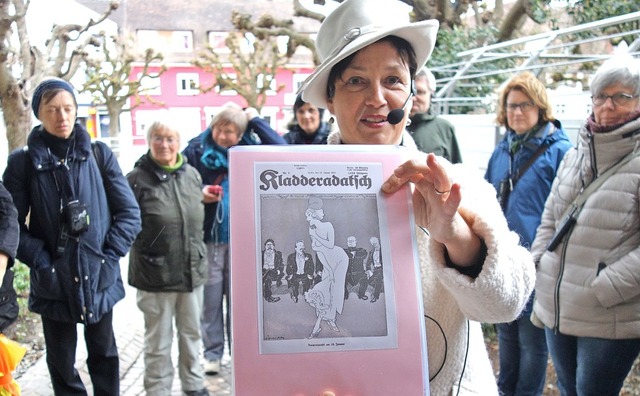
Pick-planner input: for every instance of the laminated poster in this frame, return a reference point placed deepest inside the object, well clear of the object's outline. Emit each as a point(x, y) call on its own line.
point(325, 288)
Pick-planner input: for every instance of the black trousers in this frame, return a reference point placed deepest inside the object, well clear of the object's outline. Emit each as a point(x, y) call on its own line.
point(104, 366)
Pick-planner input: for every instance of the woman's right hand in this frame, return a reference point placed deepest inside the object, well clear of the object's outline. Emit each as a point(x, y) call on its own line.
point(208, 196)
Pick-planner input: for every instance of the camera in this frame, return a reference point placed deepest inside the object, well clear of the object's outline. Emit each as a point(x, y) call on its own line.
point(76, 218)
point(215, 189)
point(504, 190)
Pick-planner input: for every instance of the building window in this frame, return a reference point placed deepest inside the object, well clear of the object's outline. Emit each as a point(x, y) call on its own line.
point(150, 84)
point(161, 40)
point(272, 86)
point(217, 42)
point(223, 89)
point(188, 83)
point(298, 79)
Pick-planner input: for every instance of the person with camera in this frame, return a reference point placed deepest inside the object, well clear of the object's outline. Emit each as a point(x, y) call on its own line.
point(208, 154)
point(77, 218)
point(521, 169)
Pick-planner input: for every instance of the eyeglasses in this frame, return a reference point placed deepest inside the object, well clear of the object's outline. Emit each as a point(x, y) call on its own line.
point(160, 139)
point(619, 99)
point(524, 106)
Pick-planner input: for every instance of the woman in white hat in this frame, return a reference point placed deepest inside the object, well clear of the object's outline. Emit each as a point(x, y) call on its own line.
point(472, 267)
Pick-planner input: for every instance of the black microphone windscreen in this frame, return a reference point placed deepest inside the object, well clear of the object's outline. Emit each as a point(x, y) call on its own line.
point(395, 116)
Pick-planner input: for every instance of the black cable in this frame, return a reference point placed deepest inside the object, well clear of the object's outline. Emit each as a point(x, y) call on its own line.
point(444, 336)
point(445, 346)
point(464, 364)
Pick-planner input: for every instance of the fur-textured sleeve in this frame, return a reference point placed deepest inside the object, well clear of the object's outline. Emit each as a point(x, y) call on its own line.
point(504, 285)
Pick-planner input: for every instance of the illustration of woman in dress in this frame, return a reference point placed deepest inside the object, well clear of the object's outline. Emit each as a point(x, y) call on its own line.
point(327, 296)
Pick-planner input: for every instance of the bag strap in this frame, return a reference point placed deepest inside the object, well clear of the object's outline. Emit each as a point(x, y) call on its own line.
point(99, 159)
point(541, 149)
point(579, 201)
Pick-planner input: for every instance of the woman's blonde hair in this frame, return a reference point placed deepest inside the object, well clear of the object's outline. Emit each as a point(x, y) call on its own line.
point(529, 85)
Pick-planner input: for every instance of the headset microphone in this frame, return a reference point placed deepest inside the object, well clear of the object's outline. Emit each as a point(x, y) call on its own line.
point(396, 115)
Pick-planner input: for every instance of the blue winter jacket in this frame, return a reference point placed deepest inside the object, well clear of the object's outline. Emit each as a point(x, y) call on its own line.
point(83, 283)
point(297, 136)
point(527, 199)
point(218, 231)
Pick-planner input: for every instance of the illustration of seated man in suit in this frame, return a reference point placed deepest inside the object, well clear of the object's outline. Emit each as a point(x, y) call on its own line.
point(299, 271)
point(356, 272)
point(374, 271)
point(272, 269)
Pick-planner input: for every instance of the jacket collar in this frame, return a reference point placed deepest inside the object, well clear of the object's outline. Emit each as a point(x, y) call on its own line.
point(407, 140)
point(41, 156)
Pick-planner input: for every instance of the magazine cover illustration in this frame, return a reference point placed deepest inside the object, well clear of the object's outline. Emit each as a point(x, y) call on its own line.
point(326, 278)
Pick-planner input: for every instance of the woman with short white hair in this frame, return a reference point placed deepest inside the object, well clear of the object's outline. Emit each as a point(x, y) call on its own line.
point(588, 286)
point(167, 263)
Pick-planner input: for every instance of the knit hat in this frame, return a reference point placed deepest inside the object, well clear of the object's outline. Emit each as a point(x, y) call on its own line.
point(48, 85)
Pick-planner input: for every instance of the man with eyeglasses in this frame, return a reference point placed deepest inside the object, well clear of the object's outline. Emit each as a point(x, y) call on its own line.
point(431, 133)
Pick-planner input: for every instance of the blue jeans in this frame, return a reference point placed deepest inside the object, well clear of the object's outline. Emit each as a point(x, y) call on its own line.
point(523, 357)
point(212, 323)
point(591, 366)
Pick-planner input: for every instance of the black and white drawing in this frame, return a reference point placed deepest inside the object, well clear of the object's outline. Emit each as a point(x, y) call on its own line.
point(314, 213)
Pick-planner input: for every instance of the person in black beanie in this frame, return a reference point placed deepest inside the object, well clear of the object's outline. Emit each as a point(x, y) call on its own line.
point(307, 126)
point(75, 236)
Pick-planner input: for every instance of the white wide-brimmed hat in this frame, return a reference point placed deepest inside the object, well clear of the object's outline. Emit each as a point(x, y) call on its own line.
point(357, 23)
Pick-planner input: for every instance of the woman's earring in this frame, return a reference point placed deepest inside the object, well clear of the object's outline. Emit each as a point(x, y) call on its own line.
point(408, 122)
point(331, 120)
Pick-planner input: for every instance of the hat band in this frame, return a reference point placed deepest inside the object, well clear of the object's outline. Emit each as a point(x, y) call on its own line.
point(352, 34)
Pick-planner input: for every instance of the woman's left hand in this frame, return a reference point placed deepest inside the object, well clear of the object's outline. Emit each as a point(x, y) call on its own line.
point(436, 199)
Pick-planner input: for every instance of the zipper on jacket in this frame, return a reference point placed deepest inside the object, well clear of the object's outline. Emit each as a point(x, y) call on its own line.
point(556, 297)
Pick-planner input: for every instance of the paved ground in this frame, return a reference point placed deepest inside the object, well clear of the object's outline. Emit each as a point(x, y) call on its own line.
point(129, 329)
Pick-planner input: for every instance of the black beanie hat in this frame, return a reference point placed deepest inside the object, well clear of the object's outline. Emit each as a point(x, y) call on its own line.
point(48, 85)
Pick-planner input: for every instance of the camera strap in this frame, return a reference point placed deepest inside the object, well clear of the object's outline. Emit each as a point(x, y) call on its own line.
point(64, 185)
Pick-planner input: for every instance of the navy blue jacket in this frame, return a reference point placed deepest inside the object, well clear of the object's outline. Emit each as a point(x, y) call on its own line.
point(83, 283)
point(193, 152)
point(9, 230)
point(526, 202)
point(297, 136)
point(9, 233)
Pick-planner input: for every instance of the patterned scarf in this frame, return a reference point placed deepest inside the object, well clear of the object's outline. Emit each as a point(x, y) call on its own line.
point(214, 156)
point(594, 127)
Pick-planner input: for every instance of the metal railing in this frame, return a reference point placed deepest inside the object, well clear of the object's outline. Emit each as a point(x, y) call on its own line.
point(549, 50)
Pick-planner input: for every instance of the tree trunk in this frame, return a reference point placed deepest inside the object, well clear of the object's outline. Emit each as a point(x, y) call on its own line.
point(114, 129)
point(17, 115)
point(513, 20)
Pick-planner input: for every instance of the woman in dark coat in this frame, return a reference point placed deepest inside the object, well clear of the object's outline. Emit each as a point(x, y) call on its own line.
point(167, 263)
point(83, 218)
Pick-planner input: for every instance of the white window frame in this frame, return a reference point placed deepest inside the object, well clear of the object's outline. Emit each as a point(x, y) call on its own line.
point(228, 92)
point(217, 41)
point(150, 84)
point(187, 84)
point(182, 41)
point(272, 87)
